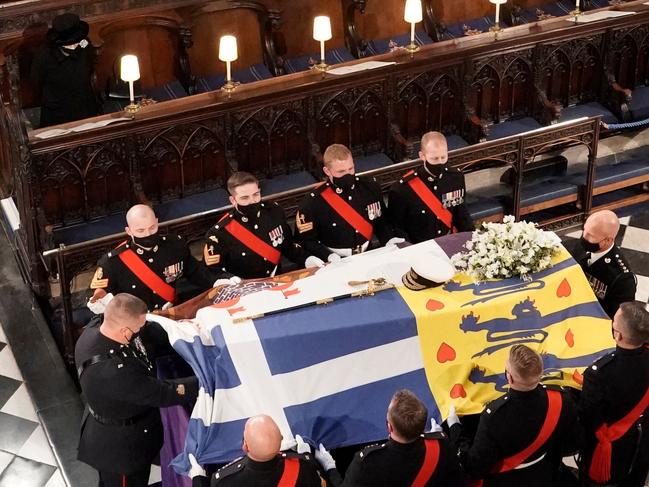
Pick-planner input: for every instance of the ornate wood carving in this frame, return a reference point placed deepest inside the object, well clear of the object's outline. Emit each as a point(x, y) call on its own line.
point(356, 45)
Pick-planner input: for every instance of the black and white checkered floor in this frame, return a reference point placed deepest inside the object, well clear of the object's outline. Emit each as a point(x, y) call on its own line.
point(27, 460)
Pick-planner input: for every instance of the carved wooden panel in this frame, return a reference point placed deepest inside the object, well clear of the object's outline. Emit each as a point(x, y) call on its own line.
point(272, 140)
point(502, 85)
point(573, 69)
point(356, 117)
point(82, 183)
point(628, 56)
point(182, 160)
point(431, 100)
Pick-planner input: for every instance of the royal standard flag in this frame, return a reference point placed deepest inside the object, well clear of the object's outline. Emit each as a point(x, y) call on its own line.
point(327, 371)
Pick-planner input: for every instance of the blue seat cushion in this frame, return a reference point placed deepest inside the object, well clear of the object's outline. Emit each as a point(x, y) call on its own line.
point(303, 63)
point(189, 205)
point(213, 82)
point(371, 161)
point(455, 142)
point(541, 191)
point(590, 109)
point(381, 46)
point(512, 127)
point(483, 206)
point(169, 91)
point(83, 232)
point(614, 173)
point(286, 182)
point(640, 103)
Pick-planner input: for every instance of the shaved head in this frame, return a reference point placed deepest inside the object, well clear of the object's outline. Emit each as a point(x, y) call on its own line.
point(261, 438)
point(436, 138)
point(602, 227)
point(124, 316)
point(141, 221)
point(434, 149)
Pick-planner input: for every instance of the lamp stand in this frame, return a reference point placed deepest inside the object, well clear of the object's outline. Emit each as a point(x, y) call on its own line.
point(229, 86)
point(412, 47)
point(133, 107)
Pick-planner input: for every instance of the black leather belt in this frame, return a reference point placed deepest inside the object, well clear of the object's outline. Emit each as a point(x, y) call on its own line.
point(117, 422)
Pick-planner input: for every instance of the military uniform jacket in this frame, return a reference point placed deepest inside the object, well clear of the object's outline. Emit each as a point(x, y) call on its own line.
point(226, 253)
point(393, 464)
point(122, 388)
point(413, 220)
point(320, 228)
point(611, 279)
point(246, 472)
point(170, 260)
point(507, 426)
point(613, 385)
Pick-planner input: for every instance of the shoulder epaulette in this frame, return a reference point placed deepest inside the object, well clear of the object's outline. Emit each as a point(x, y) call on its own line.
point(119, 249)
point(230, 469)
point(436, 435)
point(319, 188)
point(365, 452)
point(293, 454)
point(412, 174)
point(223, 220)
point(496, 404)
point(602, 361)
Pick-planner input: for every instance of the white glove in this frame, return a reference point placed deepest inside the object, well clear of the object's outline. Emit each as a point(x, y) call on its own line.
point(324, 458)
point(434, 427)
point(99, 306)
point(394, 241)
point(195, 469)
point(166, 306)
point(233, 281)
point(452, 416)
point(302, 446)
point(333, 258)
point(313, 261)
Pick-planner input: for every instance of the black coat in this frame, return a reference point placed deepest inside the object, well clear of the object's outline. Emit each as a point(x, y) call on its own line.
point(245, 472)
point(224, 253)
point(318, 227)
point(410, 216)
point(507, 426)
point(613, 386)
point(393, 464)
point(611, 279)
point(170, 260)
point(64, 82)
point(120, 388)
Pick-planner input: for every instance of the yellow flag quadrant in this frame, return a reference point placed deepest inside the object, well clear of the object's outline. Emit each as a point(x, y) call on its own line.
point(466, 330)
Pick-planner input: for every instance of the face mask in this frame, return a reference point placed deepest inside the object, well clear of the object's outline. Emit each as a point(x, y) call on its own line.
point(588, 246)
point(435, 169)
point(250, 210)
point(147, 242)
point(345, 182)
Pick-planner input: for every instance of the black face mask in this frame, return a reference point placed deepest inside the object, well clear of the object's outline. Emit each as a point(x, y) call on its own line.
point(588, 246)
point(147, 242)
point(251, 210)
point(435, 169)
point(344, 182)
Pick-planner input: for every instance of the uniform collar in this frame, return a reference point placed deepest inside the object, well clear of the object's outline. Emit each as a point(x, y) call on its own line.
point(514, 393)
point(631, 351)
point(413, 445)
point(266, 466)
point(595, 256)
point(424, 173)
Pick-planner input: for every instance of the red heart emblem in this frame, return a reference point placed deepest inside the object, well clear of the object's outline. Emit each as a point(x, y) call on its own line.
point(434, 305)
point(445, 353)
point(458, 391)
point(570, 338)
point(577, 377)
point(564, 290)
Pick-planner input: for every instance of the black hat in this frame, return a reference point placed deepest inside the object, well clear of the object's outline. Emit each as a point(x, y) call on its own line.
point(67, 29)
point(429, 273)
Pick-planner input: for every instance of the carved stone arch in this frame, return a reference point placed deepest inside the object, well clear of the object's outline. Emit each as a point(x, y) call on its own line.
point(161, 168)
point(204, 163)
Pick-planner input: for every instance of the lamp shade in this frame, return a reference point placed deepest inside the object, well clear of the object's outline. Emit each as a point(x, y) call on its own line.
point(321, 28)
point(498, 2)
point(413, 13)
point(228, 49)
point(129, 68)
